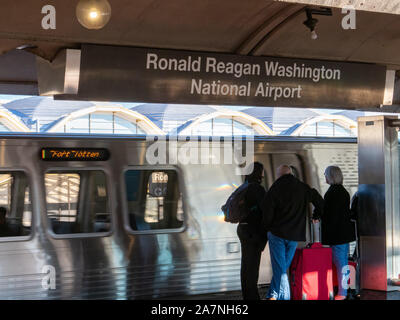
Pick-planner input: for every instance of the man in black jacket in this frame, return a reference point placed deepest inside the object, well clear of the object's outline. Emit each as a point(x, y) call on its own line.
point(285, 215)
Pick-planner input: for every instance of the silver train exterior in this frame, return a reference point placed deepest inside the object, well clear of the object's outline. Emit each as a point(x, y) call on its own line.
point(199, 254)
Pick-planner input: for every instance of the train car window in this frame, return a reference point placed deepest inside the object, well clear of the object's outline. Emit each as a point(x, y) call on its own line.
point(77, 202)
point(15, 205)
point(154, 200)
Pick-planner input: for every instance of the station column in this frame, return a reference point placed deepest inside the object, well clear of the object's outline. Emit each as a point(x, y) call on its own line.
point(379, 201)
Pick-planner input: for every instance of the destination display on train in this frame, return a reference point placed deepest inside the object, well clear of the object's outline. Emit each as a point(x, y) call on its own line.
point(171, 76)
point(74, 154)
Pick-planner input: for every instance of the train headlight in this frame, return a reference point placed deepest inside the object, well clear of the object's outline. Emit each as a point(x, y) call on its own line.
point(93, 14)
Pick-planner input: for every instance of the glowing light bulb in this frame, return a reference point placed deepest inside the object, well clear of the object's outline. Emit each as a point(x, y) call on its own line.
point(93, 14)
point(314, 35)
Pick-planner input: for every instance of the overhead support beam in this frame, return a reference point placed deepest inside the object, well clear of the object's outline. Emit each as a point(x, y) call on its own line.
point(382, 6)
point(269, 26)
point(18, 73)
point(394, 85)
point(61, 76)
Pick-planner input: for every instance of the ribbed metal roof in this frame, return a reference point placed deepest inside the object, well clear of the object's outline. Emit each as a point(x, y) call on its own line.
point(171, 118)
point(353, 115)
point(280, 119)
point(44, 109)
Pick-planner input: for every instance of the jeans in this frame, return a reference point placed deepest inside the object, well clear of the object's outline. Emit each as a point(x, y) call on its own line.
point(340, 256)
point(282, 252)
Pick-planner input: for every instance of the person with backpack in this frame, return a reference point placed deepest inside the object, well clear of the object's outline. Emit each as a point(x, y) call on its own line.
point(243, 207)
point(285, 215)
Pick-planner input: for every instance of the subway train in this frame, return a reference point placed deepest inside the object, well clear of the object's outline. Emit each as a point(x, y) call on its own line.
point(90, 217)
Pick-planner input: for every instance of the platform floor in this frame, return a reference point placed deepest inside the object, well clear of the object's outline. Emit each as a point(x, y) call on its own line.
point(236, 295)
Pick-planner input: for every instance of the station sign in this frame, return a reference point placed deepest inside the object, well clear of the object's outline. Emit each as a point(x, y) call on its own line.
point(74, 154)
point(170, 76)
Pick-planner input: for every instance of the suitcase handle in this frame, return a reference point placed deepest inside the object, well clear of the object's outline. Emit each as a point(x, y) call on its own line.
point(314, 245)
point(315, 234)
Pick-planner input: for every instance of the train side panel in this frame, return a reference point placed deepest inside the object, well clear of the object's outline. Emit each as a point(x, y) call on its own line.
point(191, 254)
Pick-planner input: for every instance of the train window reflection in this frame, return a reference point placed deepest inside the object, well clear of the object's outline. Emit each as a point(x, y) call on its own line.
point(77, 202)
point(15, 205)
point(154, 199)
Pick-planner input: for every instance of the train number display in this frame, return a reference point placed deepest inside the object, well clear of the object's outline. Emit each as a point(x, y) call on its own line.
point(74, 154)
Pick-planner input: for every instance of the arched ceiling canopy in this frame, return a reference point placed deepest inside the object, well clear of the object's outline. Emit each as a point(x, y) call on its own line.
point(257, 125)
point(258, 27)
point(143, 122)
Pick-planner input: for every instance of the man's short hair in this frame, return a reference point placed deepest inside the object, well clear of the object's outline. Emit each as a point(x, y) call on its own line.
point(283, 169)
point(334, 175)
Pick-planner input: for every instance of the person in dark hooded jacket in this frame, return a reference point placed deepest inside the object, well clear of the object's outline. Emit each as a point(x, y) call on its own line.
point(253, 237)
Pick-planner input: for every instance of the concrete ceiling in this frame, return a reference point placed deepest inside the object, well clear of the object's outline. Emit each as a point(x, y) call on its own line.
point(383, 6)
point(257, 27)
point(376, 39)
point(204, 25)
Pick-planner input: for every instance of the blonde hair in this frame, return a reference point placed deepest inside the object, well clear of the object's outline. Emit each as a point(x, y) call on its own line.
point(334, 175)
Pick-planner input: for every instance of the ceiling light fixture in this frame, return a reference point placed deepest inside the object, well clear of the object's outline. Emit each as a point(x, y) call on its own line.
point(93, 14)
point(311, 23)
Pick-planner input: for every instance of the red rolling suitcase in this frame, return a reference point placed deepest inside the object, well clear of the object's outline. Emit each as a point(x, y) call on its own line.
point(311, 273)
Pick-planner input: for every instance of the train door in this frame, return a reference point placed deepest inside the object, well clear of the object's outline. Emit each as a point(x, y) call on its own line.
point(272, 161)
point(291, 159)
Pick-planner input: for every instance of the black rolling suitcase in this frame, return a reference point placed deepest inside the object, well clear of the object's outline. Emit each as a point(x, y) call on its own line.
point(355, 261)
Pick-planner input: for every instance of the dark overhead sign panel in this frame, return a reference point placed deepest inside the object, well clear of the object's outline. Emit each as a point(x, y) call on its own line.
point(168, 76)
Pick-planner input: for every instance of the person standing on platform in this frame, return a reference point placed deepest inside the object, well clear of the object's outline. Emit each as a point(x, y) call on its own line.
point(284, 215)
point(253, 237)
point(336, 227)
